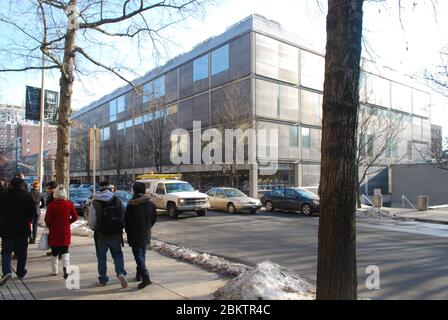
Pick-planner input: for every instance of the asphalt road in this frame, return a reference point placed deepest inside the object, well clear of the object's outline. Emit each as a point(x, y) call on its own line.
point(412, 257)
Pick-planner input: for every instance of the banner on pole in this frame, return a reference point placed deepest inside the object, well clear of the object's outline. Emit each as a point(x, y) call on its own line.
point(32, 111)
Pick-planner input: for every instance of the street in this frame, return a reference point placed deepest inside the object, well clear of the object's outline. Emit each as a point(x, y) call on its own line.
point(411, 256)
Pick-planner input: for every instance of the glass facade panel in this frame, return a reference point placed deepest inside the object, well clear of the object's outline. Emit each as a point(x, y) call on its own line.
point(148, 92)
point(421, 102)
point(311, 108)
point(220, 59)
point(112, 111)
point(289, 103)
point(311, 140)
point(277, 60)
point(374, 90)
point(121, 126)
point(120, 104)
point(293, 136)
point(312, 69)
point(417, 129)
point(200, 68)
point(401, 97)
point(310, 175)
point(159, 87)
point(266, 99)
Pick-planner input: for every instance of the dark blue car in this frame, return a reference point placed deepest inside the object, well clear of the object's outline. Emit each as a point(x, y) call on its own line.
point(292, 199)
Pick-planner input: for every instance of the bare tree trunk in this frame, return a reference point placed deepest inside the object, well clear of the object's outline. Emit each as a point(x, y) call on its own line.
point(65, 107)
point(358, 194)
point(336, 269)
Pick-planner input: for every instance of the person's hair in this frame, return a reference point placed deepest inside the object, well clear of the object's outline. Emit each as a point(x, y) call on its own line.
point(36, 184)
point(139, 188)
point(20, 174)
point(51, 184)
point(60, 192)
point(17, 184)
point(104, 185)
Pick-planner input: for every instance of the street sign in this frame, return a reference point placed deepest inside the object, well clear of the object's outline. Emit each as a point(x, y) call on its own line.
point(33, 105)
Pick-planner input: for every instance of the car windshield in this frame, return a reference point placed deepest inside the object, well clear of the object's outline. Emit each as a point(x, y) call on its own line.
point(80, 194)
point(178, 187)
point(307, 194)
point(230, 193)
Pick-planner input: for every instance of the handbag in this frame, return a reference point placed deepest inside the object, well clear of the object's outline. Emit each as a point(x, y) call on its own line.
point(43, 242)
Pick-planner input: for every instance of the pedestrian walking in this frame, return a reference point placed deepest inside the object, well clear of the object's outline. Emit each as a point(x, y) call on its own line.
point(50, 190)
point(60, 215)
point(106, 218)
point(17, 209)
point(40, 203)
point(140, 216)
point(21, 175)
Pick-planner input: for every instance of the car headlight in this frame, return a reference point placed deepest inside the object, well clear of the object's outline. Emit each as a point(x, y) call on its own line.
point(181, 200)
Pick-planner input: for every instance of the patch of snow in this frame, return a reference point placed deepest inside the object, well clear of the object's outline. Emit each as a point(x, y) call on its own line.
point(267, 281)
point(371, 212)
point(205, 260)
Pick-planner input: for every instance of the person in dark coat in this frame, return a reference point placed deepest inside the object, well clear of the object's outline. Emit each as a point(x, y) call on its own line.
point(40, 203)
point(139, 218)
point(50, 190)
point(17, 210)
point(60, 215)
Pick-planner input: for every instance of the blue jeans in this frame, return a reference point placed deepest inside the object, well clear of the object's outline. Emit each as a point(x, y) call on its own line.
point(20, 247)
point(140, 259)
point(102, 246)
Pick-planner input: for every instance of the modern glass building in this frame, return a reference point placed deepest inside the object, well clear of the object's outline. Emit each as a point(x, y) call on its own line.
point(268, 80)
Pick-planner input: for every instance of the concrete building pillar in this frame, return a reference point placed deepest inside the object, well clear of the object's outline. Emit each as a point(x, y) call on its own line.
point(298, 175)
point(253, 180)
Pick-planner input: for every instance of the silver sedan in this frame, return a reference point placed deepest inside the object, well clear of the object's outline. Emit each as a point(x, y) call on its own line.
point(232, 200)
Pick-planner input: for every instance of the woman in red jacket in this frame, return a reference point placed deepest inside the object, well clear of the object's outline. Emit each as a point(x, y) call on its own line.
point(60, 215)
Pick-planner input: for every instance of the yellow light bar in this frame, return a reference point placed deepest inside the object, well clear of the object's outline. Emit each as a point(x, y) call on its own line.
point(177, 176)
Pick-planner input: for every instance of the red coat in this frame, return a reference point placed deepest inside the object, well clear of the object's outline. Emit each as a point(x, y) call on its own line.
point(60, 215)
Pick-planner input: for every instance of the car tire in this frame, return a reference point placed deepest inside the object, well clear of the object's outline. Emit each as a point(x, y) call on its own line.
point(253, 211)
point(201, 213)
point(172, 211)
point(306, 209)
point(231, 208)
point(269, 206)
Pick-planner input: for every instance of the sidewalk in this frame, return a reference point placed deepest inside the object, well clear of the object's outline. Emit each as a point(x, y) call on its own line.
point(432, 216)
point(172, 279)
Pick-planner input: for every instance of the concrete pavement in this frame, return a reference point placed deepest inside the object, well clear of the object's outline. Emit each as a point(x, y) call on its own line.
point(431, 216)
point(172, 279)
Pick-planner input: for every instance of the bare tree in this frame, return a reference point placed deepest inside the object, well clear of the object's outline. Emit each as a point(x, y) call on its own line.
point(118, 153)
point(438, 75)
point(232, 112)
point(378, 137)
point(65, 31)
point(151, 138)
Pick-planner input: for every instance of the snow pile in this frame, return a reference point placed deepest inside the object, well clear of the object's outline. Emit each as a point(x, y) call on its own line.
point(80, 228)
point(376, 213)
point(205, 260)
point(267, 281)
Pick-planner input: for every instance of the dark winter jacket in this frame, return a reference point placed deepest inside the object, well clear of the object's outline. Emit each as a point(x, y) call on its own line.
point(38, 200)
point(17, 210)
point(50, 198)
point(140, 217)
point(60, 215)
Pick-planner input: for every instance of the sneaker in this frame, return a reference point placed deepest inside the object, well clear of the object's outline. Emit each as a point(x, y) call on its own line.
point(5, 278)
point(101, 284)
point(123, 281)
point(24, 276)
point(146, 281)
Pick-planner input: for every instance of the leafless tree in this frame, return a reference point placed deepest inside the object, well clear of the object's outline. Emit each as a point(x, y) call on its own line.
point(118, 152)
point(75, 36)
point(438, 75)
point(232, 112)
point(378, 137)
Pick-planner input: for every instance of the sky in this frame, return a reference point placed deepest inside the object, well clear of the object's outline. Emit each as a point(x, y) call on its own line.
point(409, 44)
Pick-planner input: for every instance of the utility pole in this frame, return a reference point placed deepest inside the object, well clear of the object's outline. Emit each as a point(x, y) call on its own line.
point(40, 167)
point(94, 159)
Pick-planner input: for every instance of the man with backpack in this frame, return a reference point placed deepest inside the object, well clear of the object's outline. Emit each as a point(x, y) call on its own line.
point(106, 218)
point(140, 217)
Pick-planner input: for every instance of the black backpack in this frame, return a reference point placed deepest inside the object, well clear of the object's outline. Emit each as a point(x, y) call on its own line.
point(111, 220)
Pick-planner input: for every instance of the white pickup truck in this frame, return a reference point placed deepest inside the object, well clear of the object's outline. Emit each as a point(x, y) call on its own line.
point(176, 196)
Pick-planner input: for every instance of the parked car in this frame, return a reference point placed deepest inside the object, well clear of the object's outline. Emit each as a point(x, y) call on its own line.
point(232, 200)
point(293, 199)
point(79, 198)
point(176, 196)
point(124, 196)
